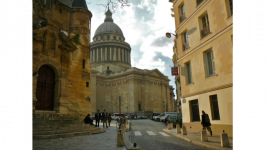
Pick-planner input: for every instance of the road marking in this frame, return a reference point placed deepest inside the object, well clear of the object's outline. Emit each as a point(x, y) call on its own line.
point(164, 134)
point(150, 133)
point(137, 133)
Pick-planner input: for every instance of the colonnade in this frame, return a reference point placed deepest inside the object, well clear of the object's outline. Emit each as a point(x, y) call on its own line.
point(110, 54)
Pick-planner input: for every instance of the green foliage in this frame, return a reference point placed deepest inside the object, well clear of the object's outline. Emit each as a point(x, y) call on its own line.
point(34, 73)
point(121, 120)
point(76, 39)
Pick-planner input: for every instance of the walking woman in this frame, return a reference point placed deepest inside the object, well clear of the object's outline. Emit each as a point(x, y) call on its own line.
point(205, 122)
point(109, 118)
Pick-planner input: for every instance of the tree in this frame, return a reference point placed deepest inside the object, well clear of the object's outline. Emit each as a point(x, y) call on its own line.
point(112, 4)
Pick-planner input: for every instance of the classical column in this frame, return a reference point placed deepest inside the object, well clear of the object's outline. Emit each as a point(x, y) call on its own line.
point(128, 54)
point(97, 52)
point(115, 53)
point(93, 55)
point(111, 54)
point(123, 58)
point(102, 54)
point(105, 57)
point(90, 56)
point(119, 58)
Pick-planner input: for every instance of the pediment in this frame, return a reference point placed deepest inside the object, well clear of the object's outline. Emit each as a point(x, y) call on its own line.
point(155, 73)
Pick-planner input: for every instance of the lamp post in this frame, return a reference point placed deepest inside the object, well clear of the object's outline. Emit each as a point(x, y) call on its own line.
point(163, 106)
point(120, 98)
point(127, 109)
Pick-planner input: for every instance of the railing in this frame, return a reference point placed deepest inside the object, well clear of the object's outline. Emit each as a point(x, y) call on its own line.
point(198, 2)
point(185, 46)
point(183, 17)
point(71, 109)
point(205, 31)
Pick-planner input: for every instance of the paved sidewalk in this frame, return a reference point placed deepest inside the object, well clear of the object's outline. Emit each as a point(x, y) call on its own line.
point(195, 138)
point(102, 141)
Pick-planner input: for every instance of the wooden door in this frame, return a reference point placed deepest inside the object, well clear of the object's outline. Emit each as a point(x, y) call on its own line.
point(45, 88)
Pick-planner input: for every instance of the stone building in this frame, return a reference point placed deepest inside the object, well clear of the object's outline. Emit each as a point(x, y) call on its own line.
point(113, 76)
point(61, 64)
point(204, 53)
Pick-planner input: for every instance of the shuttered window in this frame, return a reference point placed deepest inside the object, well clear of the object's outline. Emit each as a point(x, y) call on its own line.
point(188, 72)
point(209, 63)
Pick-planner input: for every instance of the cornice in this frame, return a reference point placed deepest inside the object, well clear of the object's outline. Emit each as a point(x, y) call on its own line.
point(208, 90)
point(110, 43)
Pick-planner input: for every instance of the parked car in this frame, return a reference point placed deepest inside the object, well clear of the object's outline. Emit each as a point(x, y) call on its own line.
point(114, 116)
point(175, 119)
point(155, 114)
point(158, 117)
point(165, 118)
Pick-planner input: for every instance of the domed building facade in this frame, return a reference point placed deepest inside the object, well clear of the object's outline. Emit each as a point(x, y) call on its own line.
point(109, 48)
point(142, 91)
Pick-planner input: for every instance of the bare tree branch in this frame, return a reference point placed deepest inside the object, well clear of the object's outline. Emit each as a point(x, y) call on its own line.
point(112, 4)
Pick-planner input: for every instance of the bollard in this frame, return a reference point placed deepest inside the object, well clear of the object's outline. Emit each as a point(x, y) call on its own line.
point(134, 148)
point(169, 126)
point(119, 138)
point(178, 128)
point(184, 130)
point(204, 136)
point(224, 140)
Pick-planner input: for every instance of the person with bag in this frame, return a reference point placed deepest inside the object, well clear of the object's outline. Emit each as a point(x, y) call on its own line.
point(109, 118)
point(205, 122)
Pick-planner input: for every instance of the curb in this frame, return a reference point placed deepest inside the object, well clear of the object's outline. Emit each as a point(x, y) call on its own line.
point(193, 142)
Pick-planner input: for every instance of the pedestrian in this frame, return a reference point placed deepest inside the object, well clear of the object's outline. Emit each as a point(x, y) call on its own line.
point(205, 122)
point(109, 118)
point(98, 118)
point(88, 120)
point(104, 118)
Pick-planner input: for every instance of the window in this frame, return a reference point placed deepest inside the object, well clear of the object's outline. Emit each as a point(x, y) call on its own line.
point(231, 6)
point(60, 11)
point(188, 73)
point(182, 13)
point(97, 39)
point(108, 37)
point(214, 107)
point(114, 37)
point(139, 107)
point(205, 29)
point(119, 38)
point(83, 64)
point(87, 84)
point(209, 63)
point(101, 37)
point(185, 41)
point(194, 111)
point(198, 2)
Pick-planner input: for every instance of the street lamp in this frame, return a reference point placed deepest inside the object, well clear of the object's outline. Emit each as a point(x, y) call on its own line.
point(168, 35)
point(163, 106)
point(127, 109)
point(119, 98)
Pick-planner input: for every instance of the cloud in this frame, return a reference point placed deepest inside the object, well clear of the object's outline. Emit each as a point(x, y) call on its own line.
point(161, 41)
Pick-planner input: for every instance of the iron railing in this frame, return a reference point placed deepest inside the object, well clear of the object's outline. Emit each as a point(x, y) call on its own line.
point(198, 2)
point(205, 31)
point(183, 17)
point(185, 46)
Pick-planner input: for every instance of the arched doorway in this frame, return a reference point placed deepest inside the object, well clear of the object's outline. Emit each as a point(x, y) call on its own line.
point(45, 88)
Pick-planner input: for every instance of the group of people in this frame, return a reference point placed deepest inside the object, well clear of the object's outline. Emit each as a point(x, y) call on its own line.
point(104, 117)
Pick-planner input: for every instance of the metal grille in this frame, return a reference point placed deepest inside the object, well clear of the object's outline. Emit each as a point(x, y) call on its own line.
point(183, 17)
point(205, 31)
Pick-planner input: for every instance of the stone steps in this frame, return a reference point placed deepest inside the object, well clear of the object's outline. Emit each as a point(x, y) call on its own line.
point(43, 132)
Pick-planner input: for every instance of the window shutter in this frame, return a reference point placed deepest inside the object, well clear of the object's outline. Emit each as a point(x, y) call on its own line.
point(205, 64)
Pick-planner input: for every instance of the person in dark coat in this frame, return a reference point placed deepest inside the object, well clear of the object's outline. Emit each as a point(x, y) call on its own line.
point(205, 122)
point(109, 118)
point(98, 118)
point(104, 118)
point(88, 120)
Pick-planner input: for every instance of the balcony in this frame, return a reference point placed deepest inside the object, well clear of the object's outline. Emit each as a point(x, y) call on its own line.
point(198, 2)
point(183, 17)
point(205, 31)
point(185, 46)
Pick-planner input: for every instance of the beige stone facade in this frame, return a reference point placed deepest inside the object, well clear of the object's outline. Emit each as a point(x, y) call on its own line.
point(69, 60)
point(112, 75)
point(204, 52)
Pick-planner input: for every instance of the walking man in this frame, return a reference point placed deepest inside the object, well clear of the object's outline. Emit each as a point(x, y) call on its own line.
point(97, 118)
point(104, 118)
point(205, 122)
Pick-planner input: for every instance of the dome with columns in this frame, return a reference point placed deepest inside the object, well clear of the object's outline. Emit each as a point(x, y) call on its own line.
point(109, 51)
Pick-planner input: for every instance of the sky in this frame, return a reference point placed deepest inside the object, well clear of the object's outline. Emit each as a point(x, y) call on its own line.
point(144, 24)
